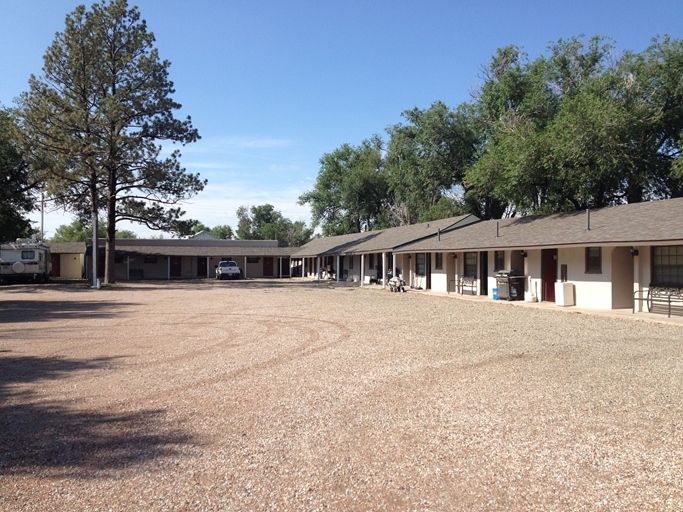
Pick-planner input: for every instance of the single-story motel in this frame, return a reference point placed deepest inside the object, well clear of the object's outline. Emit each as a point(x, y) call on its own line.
point(599, 259)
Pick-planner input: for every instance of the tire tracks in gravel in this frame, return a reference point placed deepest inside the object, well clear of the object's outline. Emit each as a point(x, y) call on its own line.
point(273, 324)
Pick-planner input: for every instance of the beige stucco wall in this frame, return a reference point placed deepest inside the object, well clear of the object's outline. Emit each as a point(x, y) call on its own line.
point(71, 266)
point(590, 290)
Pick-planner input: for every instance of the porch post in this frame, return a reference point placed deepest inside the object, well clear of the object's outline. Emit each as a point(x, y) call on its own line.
point(338, 269)
point(168, 268)
point(393, 264)
point(319, 269)
point(384, 270)
point(303, 268)
point(362, 269)
point(245, 267)
point(208, 267)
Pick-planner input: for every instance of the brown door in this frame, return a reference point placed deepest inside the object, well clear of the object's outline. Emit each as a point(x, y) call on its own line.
point(176, 266)
point(268, 267)
point(548, 274)
point(201, 267)
point(56, 259)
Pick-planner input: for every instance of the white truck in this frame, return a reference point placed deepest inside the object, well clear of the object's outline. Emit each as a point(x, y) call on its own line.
point(228, 270)
point(25, 260)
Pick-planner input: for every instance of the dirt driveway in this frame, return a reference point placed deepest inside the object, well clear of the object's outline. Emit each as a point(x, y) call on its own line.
point(285, 395)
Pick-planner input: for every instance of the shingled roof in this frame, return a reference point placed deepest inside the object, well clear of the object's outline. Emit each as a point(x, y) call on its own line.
point(199, 248)
point(654, 222)
point(382, 240)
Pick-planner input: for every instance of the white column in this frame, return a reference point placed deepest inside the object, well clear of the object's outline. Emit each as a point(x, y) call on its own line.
point(245, 267)
point(362, 269)
point(208, 267)
point(319, 269)
point(393, 264)
point(303, 268)
point(338, 269)
point(384, 270)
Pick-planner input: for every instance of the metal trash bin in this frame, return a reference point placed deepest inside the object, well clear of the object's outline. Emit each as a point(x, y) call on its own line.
point(510, 284)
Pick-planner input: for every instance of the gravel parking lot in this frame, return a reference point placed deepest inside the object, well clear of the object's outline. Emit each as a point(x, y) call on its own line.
point(289, 395)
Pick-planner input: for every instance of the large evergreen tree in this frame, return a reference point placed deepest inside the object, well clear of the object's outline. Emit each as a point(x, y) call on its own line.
point(17, 185)
point(95, 119)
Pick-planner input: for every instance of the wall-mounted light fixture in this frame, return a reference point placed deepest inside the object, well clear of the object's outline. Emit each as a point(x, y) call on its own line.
point(523, 254)
point(634, 251)
point(409, 256)
point(455, 256)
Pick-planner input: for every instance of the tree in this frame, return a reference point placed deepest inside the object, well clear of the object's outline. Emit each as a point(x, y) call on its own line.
point(351, 191)
point(17, 186)
point(93, 122)
point(265, 223)
point(426, 161)
point(224, 231)
point(79, 232)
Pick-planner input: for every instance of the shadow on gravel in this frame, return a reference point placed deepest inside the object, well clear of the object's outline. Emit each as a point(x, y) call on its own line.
point(46, 310)
point(54, 434)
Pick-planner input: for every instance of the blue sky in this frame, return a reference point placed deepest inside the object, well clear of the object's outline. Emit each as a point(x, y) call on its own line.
point(273, 85)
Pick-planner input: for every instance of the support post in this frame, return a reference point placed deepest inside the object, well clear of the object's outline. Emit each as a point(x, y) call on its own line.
point(362, 269)
point(338, 269)
point(245, 267)
point(384, 270)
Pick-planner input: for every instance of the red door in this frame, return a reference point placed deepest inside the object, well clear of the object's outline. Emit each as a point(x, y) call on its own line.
point(268, 267)
point(548, 274)
point(176, 266)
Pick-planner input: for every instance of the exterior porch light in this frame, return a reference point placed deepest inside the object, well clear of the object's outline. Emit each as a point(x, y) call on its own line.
point(634, 251)
point(524, 254)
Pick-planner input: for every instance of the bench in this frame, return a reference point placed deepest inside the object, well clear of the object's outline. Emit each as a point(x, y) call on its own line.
point(468, 282)
point(659, 296)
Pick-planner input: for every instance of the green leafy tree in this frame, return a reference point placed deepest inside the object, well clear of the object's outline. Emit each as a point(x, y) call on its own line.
point(426, 161)
point(17, 185)
point(223, 231)
point(95, 119)
point(77, 231)
point(351, 191)
point(265, 223)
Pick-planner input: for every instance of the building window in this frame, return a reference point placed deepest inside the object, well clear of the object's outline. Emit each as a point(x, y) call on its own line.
point(438, 261)
point(470, 264)
point(420, 264)
point(253, 259)
point(150, 258)
point(593, 260)
point(498, 260)
point(667, 265)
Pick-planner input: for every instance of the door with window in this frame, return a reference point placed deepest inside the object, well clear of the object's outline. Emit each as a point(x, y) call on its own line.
point(548, 274)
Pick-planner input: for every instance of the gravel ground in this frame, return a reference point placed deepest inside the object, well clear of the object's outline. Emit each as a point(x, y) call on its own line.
point(286, 395)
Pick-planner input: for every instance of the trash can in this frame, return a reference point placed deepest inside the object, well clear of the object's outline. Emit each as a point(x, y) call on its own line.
point(495, 293)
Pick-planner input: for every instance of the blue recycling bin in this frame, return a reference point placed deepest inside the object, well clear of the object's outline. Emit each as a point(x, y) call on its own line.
point(495, 293)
